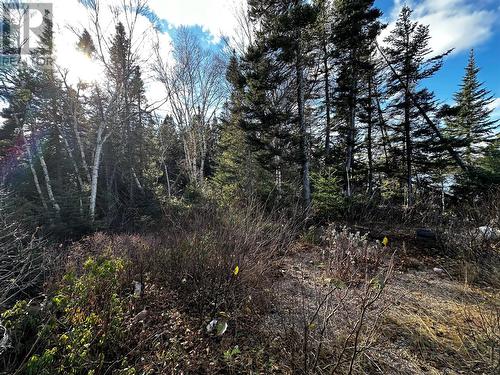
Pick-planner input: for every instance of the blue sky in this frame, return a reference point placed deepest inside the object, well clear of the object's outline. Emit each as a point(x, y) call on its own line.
point(462, 24)
point(459, 24)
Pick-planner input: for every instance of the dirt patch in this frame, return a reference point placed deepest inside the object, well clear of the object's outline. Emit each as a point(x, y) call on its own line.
point(430, 323)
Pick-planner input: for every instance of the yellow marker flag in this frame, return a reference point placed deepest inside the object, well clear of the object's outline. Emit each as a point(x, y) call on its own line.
point(385, 241)
point(236, 270)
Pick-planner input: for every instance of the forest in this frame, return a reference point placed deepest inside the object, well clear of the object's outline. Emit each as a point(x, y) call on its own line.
point(291, 199)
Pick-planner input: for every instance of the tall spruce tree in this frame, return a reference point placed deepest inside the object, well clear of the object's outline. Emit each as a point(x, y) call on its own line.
point(472, 126)
point(412, 60)
point(283, 43)
point(369, 117)
point(325, 52)
point(355, 28)
point(238, 175)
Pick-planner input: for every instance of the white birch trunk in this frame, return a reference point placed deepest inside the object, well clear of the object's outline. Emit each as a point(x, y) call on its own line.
point(48, 184)
point(168, 180)
point(75, 168)
point(32, 167)
point(95, 171)
point(33, 172)
point(136, 179)
point(80, 147)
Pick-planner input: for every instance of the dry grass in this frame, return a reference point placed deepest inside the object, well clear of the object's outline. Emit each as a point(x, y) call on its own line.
point(444, 324)
point(326, 324)
point(424, 321)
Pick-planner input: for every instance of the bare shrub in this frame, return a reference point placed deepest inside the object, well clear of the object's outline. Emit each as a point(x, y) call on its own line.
point(199, 258)
point(196, 255)
point(23, 261)
point(350, 254)
point(334, 329)
point(334, 321)
point(207, 263)
point(472, 236)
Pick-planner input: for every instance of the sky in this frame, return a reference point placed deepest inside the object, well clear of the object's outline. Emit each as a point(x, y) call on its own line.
point(462, 25)
point(458, 24)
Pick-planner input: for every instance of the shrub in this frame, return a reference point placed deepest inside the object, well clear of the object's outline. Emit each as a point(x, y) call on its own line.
point(79, 329)
point(330, 328)
point(471, 236)
point(350, 254)
point(21, 324)
point(23, 256)
point(327, 196)
point(207, 262)
point(198, 257)
point(480, 337)
point(210, 262)
point(196, 253)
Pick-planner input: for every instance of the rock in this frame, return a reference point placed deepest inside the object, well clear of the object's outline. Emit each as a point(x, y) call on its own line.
point(489, 233)
point(141, 316)
point(217, 327)
point(426, 235)
point(438, 270)
point(137, 289)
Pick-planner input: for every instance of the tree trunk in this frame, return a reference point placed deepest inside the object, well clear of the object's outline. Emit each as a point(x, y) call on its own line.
point(136, 180)
point(33, 172)
point(369, 136)
point(80, 146)
point(327, 102)
point(75, 167)
point(304, 140)
point(351, 136)
point(383, 130)
point(408, 148)
point(95, 171)
point(48, 184)
point(30, 162)
point(129, 140)
point(168, 180)
point(351, 139)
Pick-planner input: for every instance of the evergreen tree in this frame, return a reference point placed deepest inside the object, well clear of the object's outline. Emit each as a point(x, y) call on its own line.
point(46, 125)
point(472, 127)
point(284, 44)
point(238, 175)
point(355, 27)
point(490, 162)
point(325, 52)
point(369, 118)
point(86, 44)
point(266, 108)
point(120, 158)
point(409, 54)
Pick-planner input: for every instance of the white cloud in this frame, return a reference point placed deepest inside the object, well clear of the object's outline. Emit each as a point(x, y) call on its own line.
point(214, 16)
point(70, 17)
point(458, 24)
point(495, 106)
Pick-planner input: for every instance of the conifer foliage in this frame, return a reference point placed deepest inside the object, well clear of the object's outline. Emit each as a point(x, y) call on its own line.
point(311, 98)
point(472, 125)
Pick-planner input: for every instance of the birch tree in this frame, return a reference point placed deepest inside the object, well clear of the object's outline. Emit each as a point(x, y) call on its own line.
point(195, 87)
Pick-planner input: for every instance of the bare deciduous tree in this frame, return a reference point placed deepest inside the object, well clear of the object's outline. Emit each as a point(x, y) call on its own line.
point(196, 88)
